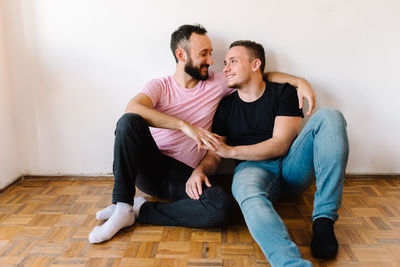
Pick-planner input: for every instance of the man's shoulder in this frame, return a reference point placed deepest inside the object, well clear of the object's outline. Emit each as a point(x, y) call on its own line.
point(280, 88)
point(161, 80)
point(158, 83)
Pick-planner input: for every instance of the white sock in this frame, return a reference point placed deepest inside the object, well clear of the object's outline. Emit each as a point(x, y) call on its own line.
point(137, 204)
point(122, 217)
point(106, 213)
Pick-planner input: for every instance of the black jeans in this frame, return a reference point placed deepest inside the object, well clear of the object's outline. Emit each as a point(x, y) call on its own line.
point(138, 161)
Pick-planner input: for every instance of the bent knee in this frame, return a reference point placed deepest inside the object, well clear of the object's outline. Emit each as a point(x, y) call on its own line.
point(130, 121)
point(332, 116)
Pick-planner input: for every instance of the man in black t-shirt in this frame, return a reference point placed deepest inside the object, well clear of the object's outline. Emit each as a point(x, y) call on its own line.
point(259, 124)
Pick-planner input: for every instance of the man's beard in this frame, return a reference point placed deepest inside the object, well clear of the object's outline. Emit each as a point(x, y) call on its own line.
point(196, 72)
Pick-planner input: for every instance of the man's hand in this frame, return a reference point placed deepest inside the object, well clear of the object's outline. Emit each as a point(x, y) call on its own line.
point(203, 138)
point(194, 184)
point(224, 151)
point(304, 90)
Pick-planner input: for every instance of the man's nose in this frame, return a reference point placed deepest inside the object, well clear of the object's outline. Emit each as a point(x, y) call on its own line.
point(226, 68)
point(209, 60)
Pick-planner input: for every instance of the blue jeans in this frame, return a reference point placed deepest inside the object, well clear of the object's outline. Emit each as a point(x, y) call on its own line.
point(319, 153)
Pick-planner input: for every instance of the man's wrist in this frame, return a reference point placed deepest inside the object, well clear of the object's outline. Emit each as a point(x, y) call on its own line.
point(182, 125)
point(301, 83)
point(198, 171)
point(232, 152)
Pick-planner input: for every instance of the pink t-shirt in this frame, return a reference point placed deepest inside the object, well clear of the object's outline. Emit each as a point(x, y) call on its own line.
point(195, 105)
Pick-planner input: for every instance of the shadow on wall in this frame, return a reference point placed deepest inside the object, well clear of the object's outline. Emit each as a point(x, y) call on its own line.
point(19, 38)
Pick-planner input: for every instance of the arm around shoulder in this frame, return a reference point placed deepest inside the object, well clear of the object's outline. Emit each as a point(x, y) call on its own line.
point(304, 89)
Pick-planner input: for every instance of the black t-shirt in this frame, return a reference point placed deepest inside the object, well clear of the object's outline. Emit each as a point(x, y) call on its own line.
point(248, 123)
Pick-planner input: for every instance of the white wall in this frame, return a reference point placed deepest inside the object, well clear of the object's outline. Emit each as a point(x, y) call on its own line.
point(9, 163)
point(75, 64)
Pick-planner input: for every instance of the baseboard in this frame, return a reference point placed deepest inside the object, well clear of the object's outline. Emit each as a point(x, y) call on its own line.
point(372, 176)
point(67, 177)
point(111, 177)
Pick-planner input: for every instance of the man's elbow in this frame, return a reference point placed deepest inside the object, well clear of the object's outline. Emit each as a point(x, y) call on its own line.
point(133, 107)
point(130, 108)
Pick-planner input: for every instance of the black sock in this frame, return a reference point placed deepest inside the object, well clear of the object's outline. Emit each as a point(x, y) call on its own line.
point(324, 244)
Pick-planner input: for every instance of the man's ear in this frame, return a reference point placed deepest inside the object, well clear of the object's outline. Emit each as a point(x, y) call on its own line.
point(180, 54)
point(256, 64)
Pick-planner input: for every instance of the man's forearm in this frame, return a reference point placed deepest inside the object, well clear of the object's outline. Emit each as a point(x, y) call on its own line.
point(209, 164)
point(265, 150)
point(280, 77)
point(143, 105)
point(156, 118)
point(285, 131)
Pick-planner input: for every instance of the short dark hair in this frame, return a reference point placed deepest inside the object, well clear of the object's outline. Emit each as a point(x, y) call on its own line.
point(256, 51)
point(181, 36)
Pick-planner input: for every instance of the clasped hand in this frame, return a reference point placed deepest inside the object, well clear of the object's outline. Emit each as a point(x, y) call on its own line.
point(203, 138)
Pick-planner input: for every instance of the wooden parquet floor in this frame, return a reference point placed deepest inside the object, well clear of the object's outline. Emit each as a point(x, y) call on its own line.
point(47, 222)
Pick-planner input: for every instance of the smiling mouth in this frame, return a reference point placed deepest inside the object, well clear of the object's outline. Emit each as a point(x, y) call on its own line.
point(230, 76)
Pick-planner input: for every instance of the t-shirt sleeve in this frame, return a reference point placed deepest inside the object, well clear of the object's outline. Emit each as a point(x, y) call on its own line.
point(288, 102)
point(218, 125)
point(153, 89)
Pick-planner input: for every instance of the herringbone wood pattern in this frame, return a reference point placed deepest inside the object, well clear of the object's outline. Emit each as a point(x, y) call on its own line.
point(46, 223)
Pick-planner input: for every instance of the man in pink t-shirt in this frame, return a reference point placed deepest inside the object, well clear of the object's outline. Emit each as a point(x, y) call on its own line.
point(161, 144)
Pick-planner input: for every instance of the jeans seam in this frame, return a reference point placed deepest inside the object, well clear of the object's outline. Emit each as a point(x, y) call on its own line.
point(317, 170)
